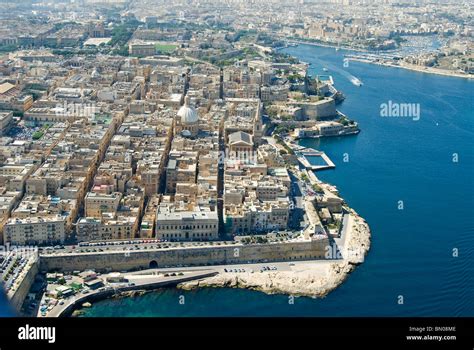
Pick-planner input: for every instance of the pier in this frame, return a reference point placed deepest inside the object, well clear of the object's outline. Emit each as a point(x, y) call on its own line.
point(327, 79)
point(306, 154)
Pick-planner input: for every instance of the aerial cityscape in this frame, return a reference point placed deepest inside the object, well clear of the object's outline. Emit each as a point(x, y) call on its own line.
point(308, 149)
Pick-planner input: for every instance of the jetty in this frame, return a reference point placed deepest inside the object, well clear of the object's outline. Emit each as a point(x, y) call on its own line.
point(305, 156)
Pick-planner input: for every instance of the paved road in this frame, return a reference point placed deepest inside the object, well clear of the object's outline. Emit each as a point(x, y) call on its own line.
point(145, 278)
point(256, 267)
point(297, 218)
point(346, 224)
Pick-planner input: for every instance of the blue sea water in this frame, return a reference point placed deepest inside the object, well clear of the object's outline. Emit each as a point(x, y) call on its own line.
point(391, 160)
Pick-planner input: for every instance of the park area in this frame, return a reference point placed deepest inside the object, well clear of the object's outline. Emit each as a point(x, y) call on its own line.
point(165, 48)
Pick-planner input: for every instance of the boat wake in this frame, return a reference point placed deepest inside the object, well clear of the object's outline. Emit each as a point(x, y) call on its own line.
point(356, 81)
point(353, 79)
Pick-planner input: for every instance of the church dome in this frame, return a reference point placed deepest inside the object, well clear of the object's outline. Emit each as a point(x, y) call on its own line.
point(187, 113)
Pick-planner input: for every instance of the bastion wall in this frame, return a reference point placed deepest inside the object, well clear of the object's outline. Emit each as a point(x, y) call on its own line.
point(172, 257)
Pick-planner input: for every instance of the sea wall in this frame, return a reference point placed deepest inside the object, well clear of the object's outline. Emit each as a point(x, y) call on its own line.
point(107, 293)
point(313, 279)
point(19, 295)
point(211, 255)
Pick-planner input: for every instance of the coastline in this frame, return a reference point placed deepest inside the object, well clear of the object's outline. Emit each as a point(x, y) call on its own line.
point(418, 69)
point(334, 46)
point(414, 68)
point(77, 302)
point(315, 279)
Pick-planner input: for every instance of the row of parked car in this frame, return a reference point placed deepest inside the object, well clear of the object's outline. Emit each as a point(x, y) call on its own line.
point(234, 270)
point(100, 244)
point(264, 268)
point(10, 269)
point(268, 268)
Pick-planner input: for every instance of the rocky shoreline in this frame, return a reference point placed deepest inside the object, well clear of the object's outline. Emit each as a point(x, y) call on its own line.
point(314, 279)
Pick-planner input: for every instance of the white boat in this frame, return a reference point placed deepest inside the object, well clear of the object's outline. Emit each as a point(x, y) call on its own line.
point(356, 81)
point(325, 69)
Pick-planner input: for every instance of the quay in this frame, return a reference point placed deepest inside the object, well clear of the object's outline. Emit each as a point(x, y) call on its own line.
point(304, 155)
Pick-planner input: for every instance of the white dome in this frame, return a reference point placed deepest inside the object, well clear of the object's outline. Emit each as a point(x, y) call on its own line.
point(187, 113)
point(186, 133)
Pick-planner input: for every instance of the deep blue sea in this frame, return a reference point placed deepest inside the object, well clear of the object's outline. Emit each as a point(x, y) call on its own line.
point(391, 160)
